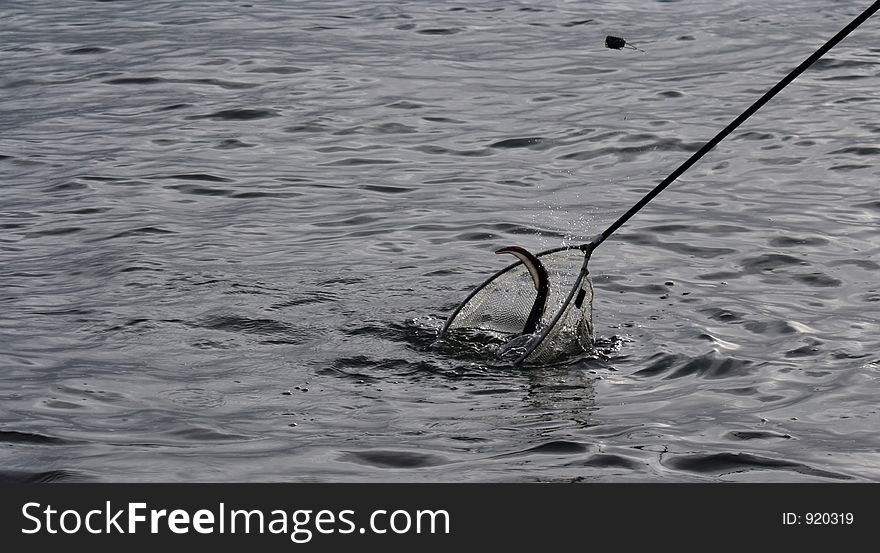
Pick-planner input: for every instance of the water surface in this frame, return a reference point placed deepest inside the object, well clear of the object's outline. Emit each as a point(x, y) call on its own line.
point(231, 231)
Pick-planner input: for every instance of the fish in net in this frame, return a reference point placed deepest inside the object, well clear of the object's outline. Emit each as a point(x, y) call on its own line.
point(540, 306)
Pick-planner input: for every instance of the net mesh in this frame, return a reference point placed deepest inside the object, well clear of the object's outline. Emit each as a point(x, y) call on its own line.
point(502, 304)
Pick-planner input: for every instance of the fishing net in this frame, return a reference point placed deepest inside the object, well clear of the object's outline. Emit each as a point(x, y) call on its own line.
point(501, 305)
point(505, 305)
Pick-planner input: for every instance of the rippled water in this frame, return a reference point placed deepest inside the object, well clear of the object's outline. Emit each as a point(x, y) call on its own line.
point(231, 231)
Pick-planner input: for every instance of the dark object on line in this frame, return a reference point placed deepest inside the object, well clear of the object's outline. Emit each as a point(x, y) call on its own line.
point(489, 307)
point(616, 43)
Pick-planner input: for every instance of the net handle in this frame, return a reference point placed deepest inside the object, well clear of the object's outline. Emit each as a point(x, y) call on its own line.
point(759, 103)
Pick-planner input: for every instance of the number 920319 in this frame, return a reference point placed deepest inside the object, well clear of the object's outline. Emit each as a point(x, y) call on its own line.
point(828, 518)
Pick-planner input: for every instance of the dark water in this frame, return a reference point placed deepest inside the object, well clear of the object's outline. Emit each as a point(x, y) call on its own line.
point(231, 231)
